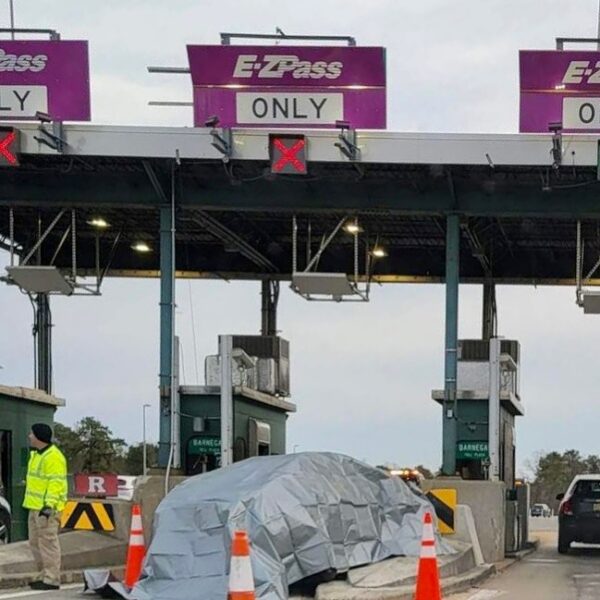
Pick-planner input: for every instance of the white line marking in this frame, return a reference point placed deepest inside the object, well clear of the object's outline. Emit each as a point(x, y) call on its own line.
point(25, 594)
point(542, 561)
point(485, 594)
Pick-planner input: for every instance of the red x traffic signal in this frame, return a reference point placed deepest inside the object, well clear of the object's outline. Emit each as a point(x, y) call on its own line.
point(288, 154)
point(9, 147)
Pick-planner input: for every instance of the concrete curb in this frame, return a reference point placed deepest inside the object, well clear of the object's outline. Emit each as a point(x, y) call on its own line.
point(461, 583)
point(517, 556)
point(458, 583)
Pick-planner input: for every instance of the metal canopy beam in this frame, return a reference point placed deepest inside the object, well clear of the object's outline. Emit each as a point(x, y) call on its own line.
point(209, 189)
point(228, 236)
point(376, 146)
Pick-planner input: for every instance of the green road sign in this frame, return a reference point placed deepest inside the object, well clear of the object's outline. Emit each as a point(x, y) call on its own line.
point(472, 450)
point(204, 445)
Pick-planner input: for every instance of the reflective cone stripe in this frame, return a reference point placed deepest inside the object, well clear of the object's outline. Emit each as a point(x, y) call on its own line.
point(241, 579)
point(428, 536)
point(137, 548)
point(428, 579)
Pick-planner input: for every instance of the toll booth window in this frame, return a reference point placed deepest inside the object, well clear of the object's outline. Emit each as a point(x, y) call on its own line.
point(200, 463)
point(203, 454)
point(264, 449)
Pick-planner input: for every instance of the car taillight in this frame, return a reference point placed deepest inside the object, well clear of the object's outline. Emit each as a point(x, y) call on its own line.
point(566, 508)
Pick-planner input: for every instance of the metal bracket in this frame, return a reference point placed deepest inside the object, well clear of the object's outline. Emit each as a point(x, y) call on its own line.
point(223, 142)
point(54, 139)
point(556, 129)
point(347, 144)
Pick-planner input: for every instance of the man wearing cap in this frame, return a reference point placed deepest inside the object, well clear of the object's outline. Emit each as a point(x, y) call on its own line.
point(45, 498)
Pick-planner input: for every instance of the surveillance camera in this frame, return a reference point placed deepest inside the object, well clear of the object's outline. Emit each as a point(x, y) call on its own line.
point(43, 117)
point(212, 121)
point(342, 124)
point(555, 127)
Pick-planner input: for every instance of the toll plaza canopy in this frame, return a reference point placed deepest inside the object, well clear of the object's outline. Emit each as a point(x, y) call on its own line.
point(518, 202)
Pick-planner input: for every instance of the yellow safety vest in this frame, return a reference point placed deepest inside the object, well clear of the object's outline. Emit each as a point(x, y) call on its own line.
point(46, 483)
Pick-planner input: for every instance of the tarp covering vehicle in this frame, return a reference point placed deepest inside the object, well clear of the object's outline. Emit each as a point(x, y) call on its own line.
point(305, 514)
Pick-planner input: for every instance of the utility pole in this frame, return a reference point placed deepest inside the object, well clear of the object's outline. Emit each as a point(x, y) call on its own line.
point(144, 445)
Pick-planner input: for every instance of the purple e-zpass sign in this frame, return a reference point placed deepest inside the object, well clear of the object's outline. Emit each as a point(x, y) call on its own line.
point(289, 86)
point(46, 76)
point(560, 86)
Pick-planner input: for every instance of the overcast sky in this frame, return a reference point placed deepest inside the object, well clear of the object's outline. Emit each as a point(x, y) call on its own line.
point(361, 374)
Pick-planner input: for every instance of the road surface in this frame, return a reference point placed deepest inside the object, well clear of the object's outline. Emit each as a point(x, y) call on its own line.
point(545, 574)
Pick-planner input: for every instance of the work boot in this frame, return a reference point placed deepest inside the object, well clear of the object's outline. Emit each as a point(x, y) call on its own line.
point(40, 585)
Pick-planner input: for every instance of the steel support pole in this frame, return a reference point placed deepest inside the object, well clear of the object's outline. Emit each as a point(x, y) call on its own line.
point(494, 410)
point(167, 298)
point(43, 341)
point(270, 298)
point(451, 344)
point(225, 352)
point(489, 316)
point(144, 447)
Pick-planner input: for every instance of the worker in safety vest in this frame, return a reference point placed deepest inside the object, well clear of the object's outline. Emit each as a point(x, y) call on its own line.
point(45, 498)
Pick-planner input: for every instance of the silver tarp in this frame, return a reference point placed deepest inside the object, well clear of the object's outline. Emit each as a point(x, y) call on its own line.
point(304, 513)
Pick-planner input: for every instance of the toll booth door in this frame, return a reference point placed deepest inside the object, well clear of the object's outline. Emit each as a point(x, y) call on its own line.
point(5, 462)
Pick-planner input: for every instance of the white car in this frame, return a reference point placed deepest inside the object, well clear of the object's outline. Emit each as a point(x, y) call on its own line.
point(5, 518)
point(541, 510)
point(126, 487)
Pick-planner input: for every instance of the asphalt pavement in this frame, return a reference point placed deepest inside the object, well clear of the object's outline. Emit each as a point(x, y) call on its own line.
point(545, 574)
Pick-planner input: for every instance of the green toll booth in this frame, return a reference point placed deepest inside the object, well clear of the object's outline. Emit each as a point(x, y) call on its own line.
point(488, 401)
point(20, 408)
point(259, 425)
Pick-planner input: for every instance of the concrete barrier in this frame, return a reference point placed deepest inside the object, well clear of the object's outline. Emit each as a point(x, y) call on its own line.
point(467, 532)
point(149, 491)
point(487, 502)
point(79, 549)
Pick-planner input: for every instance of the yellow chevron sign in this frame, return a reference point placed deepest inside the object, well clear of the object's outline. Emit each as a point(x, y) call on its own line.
point(88, 516)
point(444, 502)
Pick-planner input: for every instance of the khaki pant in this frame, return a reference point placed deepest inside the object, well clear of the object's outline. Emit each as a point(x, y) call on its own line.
point(43, 539)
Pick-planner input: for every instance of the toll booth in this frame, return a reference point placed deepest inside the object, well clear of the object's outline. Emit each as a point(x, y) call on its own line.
point(259, 425)
point(20, 408)
point(487, 403)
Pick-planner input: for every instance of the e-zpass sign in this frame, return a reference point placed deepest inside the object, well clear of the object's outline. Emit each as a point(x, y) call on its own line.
point(289, 86)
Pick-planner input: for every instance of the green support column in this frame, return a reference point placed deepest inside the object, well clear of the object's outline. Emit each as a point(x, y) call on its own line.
point(43, 343)
point(167, 266)
point(451, 344)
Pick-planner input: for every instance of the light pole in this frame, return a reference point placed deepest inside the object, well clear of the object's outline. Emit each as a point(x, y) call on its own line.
point(144, 450)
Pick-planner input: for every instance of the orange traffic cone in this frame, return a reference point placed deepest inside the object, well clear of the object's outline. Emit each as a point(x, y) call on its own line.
point(428, 578)
point(136, 549)
point(241, 580)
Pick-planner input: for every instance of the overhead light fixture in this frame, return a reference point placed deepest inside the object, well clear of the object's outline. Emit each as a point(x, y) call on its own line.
point(379, 252)
point(141, 247)
point(98, 222)
point(353, 227)
point(560, 86)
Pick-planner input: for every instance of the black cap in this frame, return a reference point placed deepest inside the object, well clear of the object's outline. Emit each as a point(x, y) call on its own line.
point(42, 432)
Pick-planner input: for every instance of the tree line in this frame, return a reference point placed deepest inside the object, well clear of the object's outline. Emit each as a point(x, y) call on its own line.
point(91, 447)
point(553, 472)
